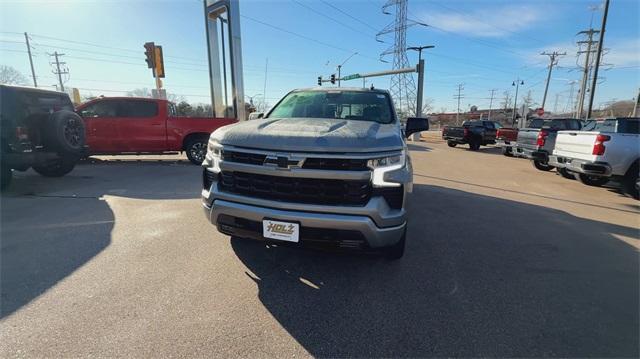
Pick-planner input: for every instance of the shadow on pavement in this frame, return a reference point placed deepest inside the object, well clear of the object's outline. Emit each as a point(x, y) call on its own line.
point(492, 278)
point(50, 227)
point(418, 148)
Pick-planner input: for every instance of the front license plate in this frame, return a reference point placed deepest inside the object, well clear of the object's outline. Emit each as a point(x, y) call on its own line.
point(284, 231)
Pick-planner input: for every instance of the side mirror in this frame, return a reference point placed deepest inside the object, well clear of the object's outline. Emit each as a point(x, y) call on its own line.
point(256, 115)
point(416, 124)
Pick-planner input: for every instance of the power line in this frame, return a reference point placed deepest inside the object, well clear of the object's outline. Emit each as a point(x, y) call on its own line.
point(105, 46)
point(305, 37)
point(332, 19)
point(349, 15)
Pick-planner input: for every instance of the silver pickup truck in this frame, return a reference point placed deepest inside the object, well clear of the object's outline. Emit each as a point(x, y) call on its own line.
point(325, 167)
point(537, 141)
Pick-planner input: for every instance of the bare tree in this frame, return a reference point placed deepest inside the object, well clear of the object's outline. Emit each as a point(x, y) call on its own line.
point(527, 100)
point(11, 76)
point(507, 100)
point(139, 92)
point(427, 106)
point(145, 92)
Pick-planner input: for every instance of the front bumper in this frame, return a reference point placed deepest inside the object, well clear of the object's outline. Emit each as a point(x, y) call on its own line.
point(343, 231)
point(581, 166)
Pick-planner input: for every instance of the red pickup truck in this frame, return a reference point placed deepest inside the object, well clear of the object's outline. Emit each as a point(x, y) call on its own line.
point(130, 125)
point(506, 138)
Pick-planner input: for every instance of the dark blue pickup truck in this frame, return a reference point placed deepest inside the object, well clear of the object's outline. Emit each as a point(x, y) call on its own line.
point(474, 133)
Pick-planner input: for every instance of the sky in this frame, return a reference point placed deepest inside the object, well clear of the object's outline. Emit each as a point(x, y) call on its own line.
point(484, 45)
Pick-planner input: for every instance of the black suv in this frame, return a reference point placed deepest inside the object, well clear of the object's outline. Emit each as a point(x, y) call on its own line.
point(39, 129)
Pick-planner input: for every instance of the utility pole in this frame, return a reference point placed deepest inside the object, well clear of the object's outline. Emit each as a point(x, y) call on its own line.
point(458, 97)
point(552, 61)
point(33, 72)
point(517, 84)
point(598, 55)
point(587, 66)
point(58, 71)
point(635, 108)
point(491, 103)
point(420, 76)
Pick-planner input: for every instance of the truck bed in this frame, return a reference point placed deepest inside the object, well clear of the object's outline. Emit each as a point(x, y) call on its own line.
point(453, 133)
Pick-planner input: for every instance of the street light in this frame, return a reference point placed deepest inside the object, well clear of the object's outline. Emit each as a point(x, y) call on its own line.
point(344, 62)
point(517, 84)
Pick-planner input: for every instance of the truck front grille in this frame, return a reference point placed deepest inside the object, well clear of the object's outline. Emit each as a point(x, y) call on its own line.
point(297, 190)
point(243, 157)
point(315, 163)
point(335, 164)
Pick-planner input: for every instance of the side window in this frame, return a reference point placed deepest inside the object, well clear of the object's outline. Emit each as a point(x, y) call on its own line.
point(632, 126)
point(575, 125)
point(171, 107)
point(138, 109)
point(489, 125)
point(100, 109)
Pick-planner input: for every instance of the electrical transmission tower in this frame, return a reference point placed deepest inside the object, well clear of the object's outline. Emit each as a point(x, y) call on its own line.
point(403, 86)
point(458, 97)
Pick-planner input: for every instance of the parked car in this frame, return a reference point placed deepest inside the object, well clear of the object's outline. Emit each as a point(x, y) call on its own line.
point(475, 133)
point(610, 150)
point(325, 167)
point(506, 139)
point(129, 125)
point(537, 141)
point(39, 131)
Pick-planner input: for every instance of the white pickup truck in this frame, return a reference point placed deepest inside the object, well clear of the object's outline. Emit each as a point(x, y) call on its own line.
point(611, 149)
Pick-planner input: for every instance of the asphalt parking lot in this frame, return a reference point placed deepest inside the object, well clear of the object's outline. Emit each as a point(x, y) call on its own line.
point(117, 259)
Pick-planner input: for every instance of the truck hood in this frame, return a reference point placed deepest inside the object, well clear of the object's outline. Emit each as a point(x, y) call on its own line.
point(311, 135)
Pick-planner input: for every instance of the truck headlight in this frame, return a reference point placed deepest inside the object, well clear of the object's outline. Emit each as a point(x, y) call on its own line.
point(382, 165)
point(214, 155)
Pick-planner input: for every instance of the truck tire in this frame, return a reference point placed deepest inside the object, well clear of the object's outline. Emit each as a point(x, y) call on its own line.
point(66, 132)
point(57, 168)
point(631, 182)
point(566, 173)
point(542, 166)
point(595, 181)
point(196, 149)
point(451, 144)
point(474, 145)
point(396, 251)
point(507, 151)
point(7, 176)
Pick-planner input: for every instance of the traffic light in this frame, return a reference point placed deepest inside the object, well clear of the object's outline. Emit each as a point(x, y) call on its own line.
point(333, 79)
point(149, 51)
point(319, 80)
point(159, 62)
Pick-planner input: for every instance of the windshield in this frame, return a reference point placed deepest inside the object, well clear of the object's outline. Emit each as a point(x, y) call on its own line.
point(348, 105)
